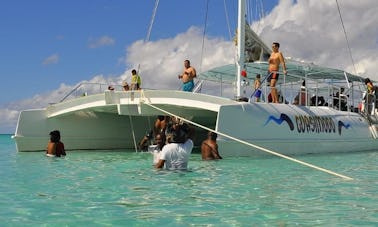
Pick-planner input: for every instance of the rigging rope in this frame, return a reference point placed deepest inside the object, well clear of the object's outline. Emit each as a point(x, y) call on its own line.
point(204, 34)
point(150, 27)
point(346, 38)
point(152, 21)
point(131, 122)
point(227, 19)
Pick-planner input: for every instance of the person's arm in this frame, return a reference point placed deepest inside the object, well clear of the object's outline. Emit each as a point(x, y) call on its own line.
point(180, 76)
point(51, 147)
point(282, 60)
point(160, 164)
point(217, 152)
point(193, 72)
point(63, 149)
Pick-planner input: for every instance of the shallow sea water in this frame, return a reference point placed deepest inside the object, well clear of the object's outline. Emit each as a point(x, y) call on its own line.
point(107, 188)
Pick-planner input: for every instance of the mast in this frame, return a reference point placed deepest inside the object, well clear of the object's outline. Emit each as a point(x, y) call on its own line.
point(240, 41)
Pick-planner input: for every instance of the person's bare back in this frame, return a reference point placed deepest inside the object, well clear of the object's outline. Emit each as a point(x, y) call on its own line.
point(209, 147)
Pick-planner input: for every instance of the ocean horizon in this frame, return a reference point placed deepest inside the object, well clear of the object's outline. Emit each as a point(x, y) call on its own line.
point(119, 188)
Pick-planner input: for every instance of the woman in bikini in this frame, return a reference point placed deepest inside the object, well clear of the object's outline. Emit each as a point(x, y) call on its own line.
point(276, 58)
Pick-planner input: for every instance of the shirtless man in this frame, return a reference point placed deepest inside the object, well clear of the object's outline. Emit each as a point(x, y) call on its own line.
point(187, 76)
point(209, 147)
point(161, 124)
point(276, 58)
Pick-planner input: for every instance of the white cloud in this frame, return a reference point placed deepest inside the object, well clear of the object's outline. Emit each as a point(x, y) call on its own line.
point(100, 42)
point(308, 30)
point(8, 120)
point(160, 62)
point(312, 30)
point(53, 59)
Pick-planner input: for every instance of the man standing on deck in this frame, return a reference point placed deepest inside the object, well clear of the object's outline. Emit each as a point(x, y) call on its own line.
point(187, 76)
point(275, 60)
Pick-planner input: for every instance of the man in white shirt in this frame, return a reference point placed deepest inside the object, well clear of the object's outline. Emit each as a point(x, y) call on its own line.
point(175, 155)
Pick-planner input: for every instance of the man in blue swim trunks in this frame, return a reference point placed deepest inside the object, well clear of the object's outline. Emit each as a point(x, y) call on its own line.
point(187, 76)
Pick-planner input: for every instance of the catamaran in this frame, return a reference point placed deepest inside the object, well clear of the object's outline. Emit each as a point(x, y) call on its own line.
point(332, 115)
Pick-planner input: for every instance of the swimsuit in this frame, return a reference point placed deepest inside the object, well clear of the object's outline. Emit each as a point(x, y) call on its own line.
point(258, 93)
point(273, 75)
point(188, 86)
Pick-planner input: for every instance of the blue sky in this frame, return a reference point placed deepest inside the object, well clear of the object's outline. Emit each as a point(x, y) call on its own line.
point(48, 47)
point(45, 43)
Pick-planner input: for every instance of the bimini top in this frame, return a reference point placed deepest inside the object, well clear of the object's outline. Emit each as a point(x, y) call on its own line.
point(296, 71)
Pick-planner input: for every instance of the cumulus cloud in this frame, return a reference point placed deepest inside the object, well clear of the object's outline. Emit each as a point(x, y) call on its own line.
point(312, 31)
point(53, 59)
point(161, 61)
point(307, 30)
point(100, 42)
point(8, 120)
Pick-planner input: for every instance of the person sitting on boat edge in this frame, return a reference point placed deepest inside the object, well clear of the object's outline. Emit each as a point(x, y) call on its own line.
point(175, 155)
point(275, 60)
point(187, 76)
point(340, 98)
point(125, 86)
point(110, 88)
point(55, 148)
point(302, 96)
point(209, 147)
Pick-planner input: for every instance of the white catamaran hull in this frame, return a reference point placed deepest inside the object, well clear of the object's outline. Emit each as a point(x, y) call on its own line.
point(118, 120)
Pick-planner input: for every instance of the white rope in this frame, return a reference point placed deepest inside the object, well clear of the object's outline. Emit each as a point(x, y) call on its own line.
point(152, 21)
point(253, 145)
point(346, 38)
point(227, 19)
point(132, 125)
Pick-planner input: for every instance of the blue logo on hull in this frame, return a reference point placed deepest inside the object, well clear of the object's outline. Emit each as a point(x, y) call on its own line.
point(304, 123)
point(283, 117)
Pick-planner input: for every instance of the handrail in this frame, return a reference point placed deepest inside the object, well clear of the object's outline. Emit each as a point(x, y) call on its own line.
point(70, 93)
point(198, 86)
point(82, 85)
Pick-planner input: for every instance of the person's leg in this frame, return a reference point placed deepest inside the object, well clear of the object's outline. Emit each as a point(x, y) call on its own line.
point(274, 90)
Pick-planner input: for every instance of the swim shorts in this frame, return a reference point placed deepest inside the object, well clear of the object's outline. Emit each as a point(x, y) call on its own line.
point(273, 75)
point(258, 93)
point(188, 86)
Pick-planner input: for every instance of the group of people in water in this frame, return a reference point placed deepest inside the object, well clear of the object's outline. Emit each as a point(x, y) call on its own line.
point(173, 143)
point(170, 141)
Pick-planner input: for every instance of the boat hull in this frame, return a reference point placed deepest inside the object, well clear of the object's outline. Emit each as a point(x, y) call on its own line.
point(260, 129)
point(119, 121)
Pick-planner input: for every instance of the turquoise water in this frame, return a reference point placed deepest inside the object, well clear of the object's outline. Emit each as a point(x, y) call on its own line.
point(121, 188)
